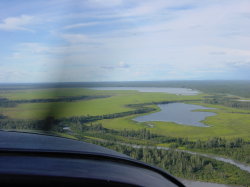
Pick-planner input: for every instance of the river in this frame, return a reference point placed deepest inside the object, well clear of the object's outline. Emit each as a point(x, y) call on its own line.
point(227, 160)
point(189, 183)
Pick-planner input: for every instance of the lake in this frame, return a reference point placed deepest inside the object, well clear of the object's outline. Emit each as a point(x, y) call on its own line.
point(177, 91)
point(179, 113)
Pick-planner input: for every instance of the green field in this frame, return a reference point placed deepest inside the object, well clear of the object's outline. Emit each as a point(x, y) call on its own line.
point(233, 126)
point(116, 103)
point(229, 122)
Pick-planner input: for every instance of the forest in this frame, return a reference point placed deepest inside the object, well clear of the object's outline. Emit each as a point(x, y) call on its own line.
point(184, 165)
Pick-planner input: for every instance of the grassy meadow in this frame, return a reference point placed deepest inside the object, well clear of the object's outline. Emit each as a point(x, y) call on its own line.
point(115, 103)
point(226, 125)
point(229, 122)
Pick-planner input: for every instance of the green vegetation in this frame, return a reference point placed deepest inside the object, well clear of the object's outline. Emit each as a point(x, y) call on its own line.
point(117, 103)
point(228, 123)
point(237, 148)
point(46, 93)
point(184, 165)
point(13, 103)
point(105, 117)
point(225, 100)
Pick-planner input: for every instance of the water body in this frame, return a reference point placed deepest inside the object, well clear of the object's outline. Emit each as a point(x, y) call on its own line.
point(177, 91)
point(243, 100)
point(242, 166)
point(179, 113)
point(188, 183)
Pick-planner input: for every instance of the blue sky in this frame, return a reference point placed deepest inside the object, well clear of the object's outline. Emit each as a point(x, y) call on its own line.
point(124, 40)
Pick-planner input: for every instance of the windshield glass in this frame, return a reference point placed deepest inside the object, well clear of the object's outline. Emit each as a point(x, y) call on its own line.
point(164, 82)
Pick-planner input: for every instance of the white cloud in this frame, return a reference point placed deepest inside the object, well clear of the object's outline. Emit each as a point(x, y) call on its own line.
point(17, 23)
point(79, 25)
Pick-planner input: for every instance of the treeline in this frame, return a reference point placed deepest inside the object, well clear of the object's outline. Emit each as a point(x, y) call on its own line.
point(15, 124)
point(226, 101)
point(4, 102)
point(217, 142)
point(159, 102)
point(97, 130)
point(185, 165)
point(79, 126)
point(237, 148)
point(58, 124)
point(87, 119)
point(140, 134)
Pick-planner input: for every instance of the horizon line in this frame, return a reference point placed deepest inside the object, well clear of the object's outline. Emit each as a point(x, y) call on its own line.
point(177, 80)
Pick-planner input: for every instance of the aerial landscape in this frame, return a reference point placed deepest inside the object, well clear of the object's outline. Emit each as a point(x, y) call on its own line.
point(195, 134)
point(164, 82)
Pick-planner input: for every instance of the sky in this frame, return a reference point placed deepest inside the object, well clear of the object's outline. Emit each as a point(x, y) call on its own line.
point(124, 40)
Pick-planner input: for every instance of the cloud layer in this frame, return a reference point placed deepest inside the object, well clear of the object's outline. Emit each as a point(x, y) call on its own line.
point(16, 23)
point(115, 40)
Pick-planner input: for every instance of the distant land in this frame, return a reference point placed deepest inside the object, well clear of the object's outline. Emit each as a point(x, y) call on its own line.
point(234, 87)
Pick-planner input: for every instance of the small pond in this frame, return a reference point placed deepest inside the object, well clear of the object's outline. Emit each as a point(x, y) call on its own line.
point(179, 113)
